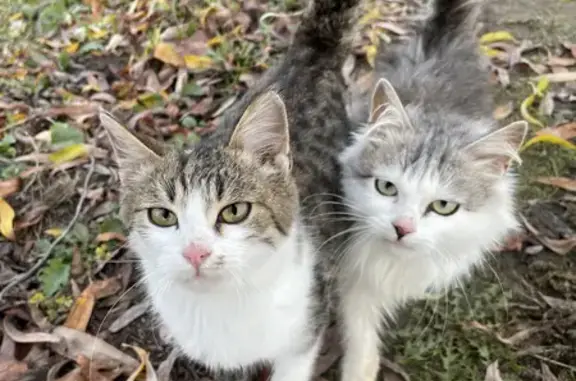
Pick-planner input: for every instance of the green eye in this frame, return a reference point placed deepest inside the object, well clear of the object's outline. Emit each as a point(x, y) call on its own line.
point(386, 188)
point(235, 213)
point(162, 217)
point(443, 207)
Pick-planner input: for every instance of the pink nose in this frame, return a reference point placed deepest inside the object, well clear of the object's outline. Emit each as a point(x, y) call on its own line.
point(404, 226)
point(196, 254)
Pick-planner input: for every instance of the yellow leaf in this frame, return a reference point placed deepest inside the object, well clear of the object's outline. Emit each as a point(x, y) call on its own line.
point(497, 36)
point(72, 47)
point(489, 52)
point(16, 16)
point(526, 103)
point(373, 14)
point(204, 13)
point(54, 232)
point(197, 62)
point(95, 33)
point(68, 153)
point(548, 138)
point(20, 73)
point(214, 41)
point(371, 51)
point(542, 86)
point(167, 53)
point(7, 220)
point(18, 117)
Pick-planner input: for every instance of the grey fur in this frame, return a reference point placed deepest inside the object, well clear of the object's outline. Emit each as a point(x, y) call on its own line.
point(310, 84)
point(443, 88)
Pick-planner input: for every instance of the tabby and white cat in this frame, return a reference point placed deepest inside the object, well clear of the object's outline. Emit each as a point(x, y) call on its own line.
point(426, 179)
point(229, 237)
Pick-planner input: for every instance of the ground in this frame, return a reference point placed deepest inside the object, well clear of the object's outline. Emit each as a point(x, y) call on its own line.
point(170, 69)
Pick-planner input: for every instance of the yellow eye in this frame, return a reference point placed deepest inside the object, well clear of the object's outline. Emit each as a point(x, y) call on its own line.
point(443, 207)
point(162, 217)
point(235, 213)
point(386, 188)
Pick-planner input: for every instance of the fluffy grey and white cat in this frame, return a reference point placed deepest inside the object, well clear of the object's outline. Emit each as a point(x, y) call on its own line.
point(230, 237)
point(426, 179)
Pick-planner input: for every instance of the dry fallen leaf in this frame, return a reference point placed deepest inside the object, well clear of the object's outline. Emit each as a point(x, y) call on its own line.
point(198, 63)
point(565, 131)
point(10, 186)
point(497, 36)
point(560, 182)
point(561, 61)
point(81, 311)
point(145, 365)
point(503, 111)
point(548, 138)
point(108, 236)
point(371, 51)
point(166, 366)
point(547, 374)
point(567, 76)
point(74, 343)
point(68, 153)
point(128, 317)
point(492, 372)
point(166, 52)
point(31, 337)
point(6, 220)
point(559, 246)
point(12, 370)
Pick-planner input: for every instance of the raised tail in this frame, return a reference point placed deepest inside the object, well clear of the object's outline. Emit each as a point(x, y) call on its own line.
point(327, 27)
point(450, 20)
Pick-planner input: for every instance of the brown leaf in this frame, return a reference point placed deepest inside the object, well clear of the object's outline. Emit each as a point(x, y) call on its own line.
point(560, 304)
point(492, 372)
point(12, 370)
point(108, 236)
point(145, 365)
point(104, 288)
point(166, 52)
point(81, 311)
point(561, 61)
point(74, 343)
point(547, 374)
point(513, 243)
point(10, 186)
point(560, 182)
point(503, 111)
point(568, 76)
point(166, 366)
point(566, 131)
point(559, 246)
point(128, 317)
point(32, 337)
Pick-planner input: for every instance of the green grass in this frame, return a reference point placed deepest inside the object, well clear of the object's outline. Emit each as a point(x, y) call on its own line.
point(437, 343)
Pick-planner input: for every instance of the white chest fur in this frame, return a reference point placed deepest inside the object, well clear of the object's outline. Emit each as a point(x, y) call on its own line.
point(239, 327)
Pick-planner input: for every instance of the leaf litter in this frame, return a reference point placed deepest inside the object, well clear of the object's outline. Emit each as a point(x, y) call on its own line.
point(171, 72)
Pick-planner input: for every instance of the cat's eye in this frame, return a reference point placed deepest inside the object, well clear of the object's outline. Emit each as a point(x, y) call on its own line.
point(443, 207)
point(386, 188)
point(235, 213)
point(162, 217)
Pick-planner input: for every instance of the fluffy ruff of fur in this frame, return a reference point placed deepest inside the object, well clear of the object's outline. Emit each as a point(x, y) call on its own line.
point(430, 139)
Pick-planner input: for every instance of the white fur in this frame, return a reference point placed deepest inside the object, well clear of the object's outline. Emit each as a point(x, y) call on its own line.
point(380, 274)
point(251, 304)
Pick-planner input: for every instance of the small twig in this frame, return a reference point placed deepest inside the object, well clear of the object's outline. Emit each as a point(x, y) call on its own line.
point(551, 361)
point(48, 252)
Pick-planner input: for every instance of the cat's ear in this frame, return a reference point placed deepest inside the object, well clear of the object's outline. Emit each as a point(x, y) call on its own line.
point(385, 96)
point(500, 148)
point(263, 130)
point(128, 149)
